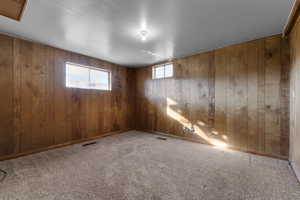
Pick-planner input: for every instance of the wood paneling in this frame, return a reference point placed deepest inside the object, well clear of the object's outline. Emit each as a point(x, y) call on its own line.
point(6, 96)
point(294, 39)
point(38, 111)
point(236, 96)
point(12, 8)
point(292, 18)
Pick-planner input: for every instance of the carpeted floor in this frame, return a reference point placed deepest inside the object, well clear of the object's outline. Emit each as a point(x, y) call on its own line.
point(136, 165)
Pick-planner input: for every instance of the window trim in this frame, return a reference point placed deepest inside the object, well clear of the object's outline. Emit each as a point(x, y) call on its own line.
point(92, 68)
point(164, 66)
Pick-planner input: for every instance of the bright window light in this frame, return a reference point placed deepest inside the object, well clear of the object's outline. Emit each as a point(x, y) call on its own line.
point(162, 71)
point(159, 72)
point(169, 70)
point(85, 77)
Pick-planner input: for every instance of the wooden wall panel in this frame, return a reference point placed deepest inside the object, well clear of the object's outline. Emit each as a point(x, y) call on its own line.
point(235, 97)
point(294, 39)
point(38, 111)
point(6, 96)
point(12, 8)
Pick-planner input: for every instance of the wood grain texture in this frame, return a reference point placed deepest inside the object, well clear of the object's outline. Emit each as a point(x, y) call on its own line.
point(38, 111)
point(6, 96)
point(12, 8)
point(236, 96)
point(294, 39)
point(294, 14)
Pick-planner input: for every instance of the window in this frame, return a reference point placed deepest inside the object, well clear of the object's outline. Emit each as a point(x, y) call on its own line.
point(85, 77)
point(162, 71)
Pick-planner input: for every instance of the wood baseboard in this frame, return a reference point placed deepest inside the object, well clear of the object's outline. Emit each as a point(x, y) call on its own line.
point(297, 171)
point(201, 142)
point(9, 157)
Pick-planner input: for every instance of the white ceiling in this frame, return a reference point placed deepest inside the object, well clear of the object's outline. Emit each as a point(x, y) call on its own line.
point(109, 29)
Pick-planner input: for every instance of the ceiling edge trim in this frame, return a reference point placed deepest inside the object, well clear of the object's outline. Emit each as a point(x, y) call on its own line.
point(294, 14)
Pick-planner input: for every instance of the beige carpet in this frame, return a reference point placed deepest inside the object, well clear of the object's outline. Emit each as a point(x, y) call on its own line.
point(136, 165)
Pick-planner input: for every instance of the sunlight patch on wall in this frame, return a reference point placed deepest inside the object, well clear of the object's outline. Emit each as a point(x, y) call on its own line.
point(178, 117)
point(195, 129)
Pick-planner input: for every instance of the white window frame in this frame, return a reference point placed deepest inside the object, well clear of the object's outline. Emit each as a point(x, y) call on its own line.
point(92, 68)
point(164, 66)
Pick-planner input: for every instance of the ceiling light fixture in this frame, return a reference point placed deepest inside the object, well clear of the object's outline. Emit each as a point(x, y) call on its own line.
point(144, 34)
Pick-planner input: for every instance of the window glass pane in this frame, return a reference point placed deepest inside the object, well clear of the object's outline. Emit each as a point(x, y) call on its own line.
point(77, 76)
point(99, 80)
point(162, 71)
point(169, 70)
point(153, 73)
point(159, 72)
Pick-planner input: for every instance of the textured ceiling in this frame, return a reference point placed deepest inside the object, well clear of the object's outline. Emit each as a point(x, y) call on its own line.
point(109, 29)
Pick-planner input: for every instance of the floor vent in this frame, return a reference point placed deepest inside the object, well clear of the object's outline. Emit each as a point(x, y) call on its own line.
point(88, 144)
point(3, 175)
point(161, 138)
